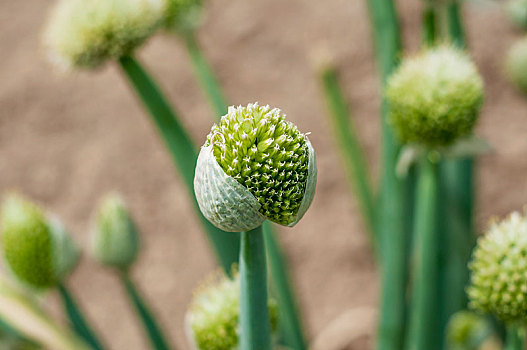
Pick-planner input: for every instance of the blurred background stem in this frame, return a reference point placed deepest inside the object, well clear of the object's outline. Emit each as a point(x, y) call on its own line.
point(77, 319)
point(515, 337)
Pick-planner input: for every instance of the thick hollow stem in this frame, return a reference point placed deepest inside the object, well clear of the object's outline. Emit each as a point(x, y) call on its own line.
point(424, 308)
point(515, 338)
point(350, 148)
point(152, 329)
point(77, 319)
point(182, 150)
point(205, 75)
point(255, 327)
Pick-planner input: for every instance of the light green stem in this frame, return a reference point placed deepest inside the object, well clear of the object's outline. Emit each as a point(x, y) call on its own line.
point(77, 319)
point(350, 148)
point(182, 150)
point(422, 332)
point(205, 75)
point(155, 334)
point(255, 327)
point(515, 337)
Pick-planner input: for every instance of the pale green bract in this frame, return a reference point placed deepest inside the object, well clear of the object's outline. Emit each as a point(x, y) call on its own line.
point(115, 240)
point(212, 318)
point(254, 166)
point(517, 64)
point(86, 33)
point(498, 283)
point(36, 249)
point(435, 97)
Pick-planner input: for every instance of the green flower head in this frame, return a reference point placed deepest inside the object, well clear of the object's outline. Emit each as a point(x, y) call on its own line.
point(182, 15)
point(116, 240)
point(255, 165)
point(435, 97)
point(499, 270)
point(36, 249)
point(212, 319)
point(517, 12)
point(517, 64)
point(86, 33)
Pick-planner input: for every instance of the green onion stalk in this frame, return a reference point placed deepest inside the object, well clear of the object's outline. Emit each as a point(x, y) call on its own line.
point(41, 254)
point(115, 244)
point(254, 166)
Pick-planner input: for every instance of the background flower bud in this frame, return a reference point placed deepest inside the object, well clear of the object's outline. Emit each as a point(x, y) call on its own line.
point(84, 34)
point(212, 319)
point(516, 10)
point(36, 249)
point(517, 64)
point(182, 15)
point(255, 165)
point(115, 240)
point(498, 283)
point(435, 97)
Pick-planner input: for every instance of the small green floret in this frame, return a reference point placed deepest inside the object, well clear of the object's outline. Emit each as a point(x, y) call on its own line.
point(517, 65)
point(213, 314)
point(86, 33)
point(499, 270)
point(116, 240)
point(267, 154)
point(435, 97)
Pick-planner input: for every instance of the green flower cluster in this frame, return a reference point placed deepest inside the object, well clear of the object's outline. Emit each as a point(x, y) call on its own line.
point(517, 64)
point(37, 250)
point(212, 319)
point(435, 97)
point(86, 33)
point(266, 170)
point(116, 240)
point(499, 270)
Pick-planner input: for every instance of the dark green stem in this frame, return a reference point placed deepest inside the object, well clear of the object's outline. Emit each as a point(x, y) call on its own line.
point(255, 327)
point(205, 75)
point(391, 210)
point(154, 332)
point(182, 150)
point(515, 338)
point(289, 321)
point(455, 24)
point(350, 148)
point(429, 23)
point(78, 321)
point(422, 333)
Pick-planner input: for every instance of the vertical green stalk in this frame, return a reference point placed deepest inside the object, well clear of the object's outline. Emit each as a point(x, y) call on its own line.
point(205, 75)
point(154, 332)
point(182, 150)
point(424, 308)
point(515, 338)
point(77, 319)
point(391, 209)
point(255, 327)
point(350, 148)
point(429, 23)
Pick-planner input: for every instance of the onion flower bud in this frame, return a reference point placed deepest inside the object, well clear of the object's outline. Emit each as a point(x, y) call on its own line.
point(498, 283)
point(115, 240)
point(36, 249)
point(86, 33)
point(212, 319)
point(255, 165)
point(516, 64)
point(435, 97)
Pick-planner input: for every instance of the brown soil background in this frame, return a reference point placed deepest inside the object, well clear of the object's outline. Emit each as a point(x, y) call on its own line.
point(65, 140)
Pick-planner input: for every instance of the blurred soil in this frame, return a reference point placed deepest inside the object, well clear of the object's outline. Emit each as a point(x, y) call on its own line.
point(65, 140)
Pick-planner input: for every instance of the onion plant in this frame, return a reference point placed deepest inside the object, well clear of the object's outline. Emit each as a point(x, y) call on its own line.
point(40, 254)
point(254, 166)
point(498, 283)
point(115, 244)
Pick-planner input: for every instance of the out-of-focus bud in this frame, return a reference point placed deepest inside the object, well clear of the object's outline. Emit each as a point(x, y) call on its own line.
point(182, 15)
point(517, 12)
point(517, 64)
point(469, 331)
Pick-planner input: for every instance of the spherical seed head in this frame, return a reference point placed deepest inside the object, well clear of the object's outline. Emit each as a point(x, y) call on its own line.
point(517, 12)
point(517, 64)
point(435, 97)
point(212, 318)
point(86, 33)
point(498, 283)
point(182, 15)
point(36, 249)
point(115, 240)
point(266, 167)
